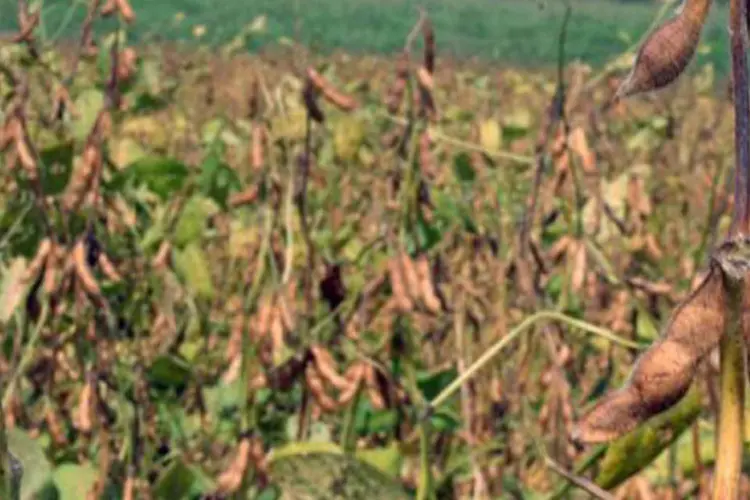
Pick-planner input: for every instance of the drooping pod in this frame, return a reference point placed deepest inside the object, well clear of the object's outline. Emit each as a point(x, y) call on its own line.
point(667, 51)
point(665, 372)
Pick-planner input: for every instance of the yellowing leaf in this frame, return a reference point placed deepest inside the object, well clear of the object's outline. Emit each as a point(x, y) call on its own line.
point(193, 266)
point(87, 105)
point(148, 129)
point(13, 289)
point(490, 135)
point(348, 134)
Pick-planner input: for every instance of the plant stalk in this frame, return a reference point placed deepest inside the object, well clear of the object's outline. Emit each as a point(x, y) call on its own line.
point(730, 424)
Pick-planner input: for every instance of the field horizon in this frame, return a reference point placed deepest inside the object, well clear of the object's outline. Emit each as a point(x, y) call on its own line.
point(521, 33)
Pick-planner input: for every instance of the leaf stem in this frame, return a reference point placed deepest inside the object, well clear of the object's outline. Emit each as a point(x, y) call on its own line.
point(510, 336)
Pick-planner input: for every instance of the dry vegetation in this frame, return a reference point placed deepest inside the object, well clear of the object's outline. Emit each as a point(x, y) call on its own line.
point(228, 276)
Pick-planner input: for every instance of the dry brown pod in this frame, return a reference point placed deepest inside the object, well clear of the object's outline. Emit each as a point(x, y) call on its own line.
point(128, 488)
point(580, 146)
point(424, 77)
point(277, 332)
point(427, 161)
point(24, 151)
point(667, 51)
point(354, 374)
point(83, 272)
point(664, 373)
point(559, 248)
point(428, 293)
point(38, 262)
point(83, 419)
point(53, 267)
point(28, 23)
point(231, 479)
point(54, 426)
point(317, 389)
point(108, 268)
point(108, 8)
point(401, 296)
point(83, 177)
point(373, 388)
point(428, 34)
point(126, 10)
point(330, 93)
point(162, 257)
point(262, 323)
point(126, 64)
point(258, 137)
point(577, 253)
point(395, 94)
point(411, 278)
point(326, 366)
point(287, 306)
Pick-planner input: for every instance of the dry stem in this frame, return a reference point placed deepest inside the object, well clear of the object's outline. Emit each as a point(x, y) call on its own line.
point(730, 423)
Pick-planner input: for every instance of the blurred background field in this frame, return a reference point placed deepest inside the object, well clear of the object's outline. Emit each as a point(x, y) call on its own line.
point(513, 32)
point(247, 342)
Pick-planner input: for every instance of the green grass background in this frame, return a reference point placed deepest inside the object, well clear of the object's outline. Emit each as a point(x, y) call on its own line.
point(516, 32)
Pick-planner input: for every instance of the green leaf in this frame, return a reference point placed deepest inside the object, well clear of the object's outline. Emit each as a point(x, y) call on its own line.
point(636, 450)
point(87, 104)
point(463, 168)
point(180, 480)
point(163, 176)
point(224, 398)
point(192, 221)
point(443, 420)
point(644, 324)
point(211, 130)
point(387, 459)
point(36, 468)
point(191, 264)
point(452, 213)
point(368, 420)
point(169, 371)
point(302, 472)
point(427, 234)
point(74, 481)
point(57, 162)
point(217, 179)
point(431, 383)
